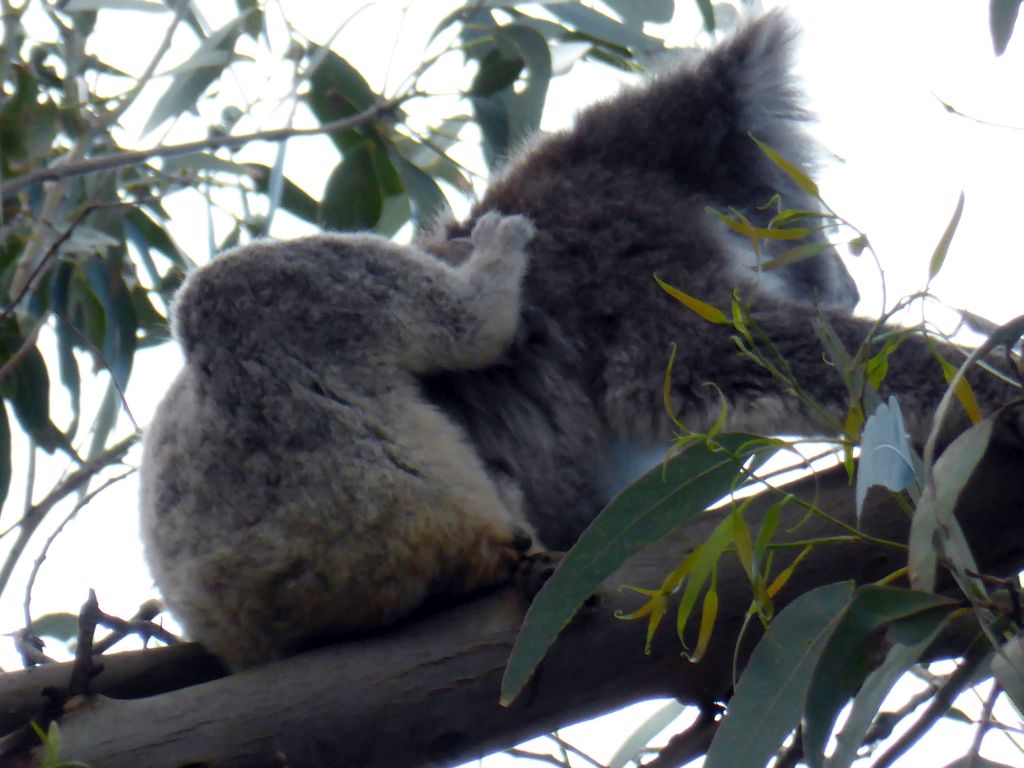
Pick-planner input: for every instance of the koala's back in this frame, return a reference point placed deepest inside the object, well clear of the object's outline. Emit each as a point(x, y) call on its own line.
point(619, 197)
point(295, 484)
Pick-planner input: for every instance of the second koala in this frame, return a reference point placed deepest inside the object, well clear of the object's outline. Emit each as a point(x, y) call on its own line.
point(295, 483)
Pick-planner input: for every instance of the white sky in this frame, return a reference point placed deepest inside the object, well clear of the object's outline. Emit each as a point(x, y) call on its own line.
point(872, 71)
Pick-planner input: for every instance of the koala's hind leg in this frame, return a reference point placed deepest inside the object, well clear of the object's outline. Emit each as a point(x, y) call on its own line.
point(465, 317)
point(494, 272)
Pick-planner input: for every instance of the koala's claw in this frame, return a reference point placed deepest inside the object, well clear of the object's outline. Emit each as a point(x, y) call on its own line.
point(493, 230)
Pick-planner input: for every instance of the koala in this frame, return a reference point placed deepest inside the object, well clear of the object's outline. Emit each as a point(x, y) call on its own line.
point(573, 409)
point(295, 482)
point(360, 426)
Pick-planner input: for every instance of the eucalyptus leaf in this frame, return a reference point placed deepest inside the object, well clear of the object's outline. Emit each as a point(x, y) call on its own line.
point(635, 12)
point(877, 685)
point(5, 453)
point(352, 199)
point(75, 6)
point(939, 255)
point(769, 697)
point(661, 500)
point(1002, 19)
point(934, 530)
point(187, 86)
point(886, 456)
point(62, 626)
point(845, 660)
point(27, 386)
point(337, 90)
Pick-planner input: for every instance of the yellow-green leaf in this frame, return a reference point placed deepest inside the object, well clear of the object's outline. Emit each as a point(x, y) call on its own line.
point(708, 614)
point(963, 390)
point(780, 581)
point(744, 544)
point(701, 308)
point(797, 253)
point(939, 256)
point(799, 178)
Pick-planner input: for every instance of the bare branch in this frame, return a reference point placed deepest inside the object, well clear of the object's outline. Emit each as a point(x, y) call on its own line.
point(119, 159)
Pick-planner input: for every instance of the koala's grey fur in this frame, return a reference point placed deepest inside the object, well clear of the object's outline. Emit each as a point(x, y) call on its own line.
point(295, 482)
point(622, 196)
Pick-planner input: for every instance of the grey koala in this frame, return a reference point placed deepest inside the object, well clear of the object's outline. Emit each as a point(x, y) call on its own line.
point(295, 483)
point(359, 427)
point(570, 412)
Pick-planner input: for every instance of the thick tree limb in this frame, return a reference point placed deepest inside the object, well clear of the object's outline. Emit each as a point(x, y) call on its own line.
point(426, 693)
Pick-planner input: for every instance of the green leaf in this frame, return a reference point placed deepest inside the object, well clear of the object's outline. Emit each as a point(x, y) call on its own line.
point(591, 22)
point(801, 179)
point(934, 531)
point(337, 90)
point(203, 69)
point(797, 253)
point(353, 198)
point(703, 569)
point(705, 310)
point(146, 233)
point(27, 386)
point(62, 626)
point(635, 12)
point(67, 339)
point(107, 281)
point(428, 201)
point(769, 697)
point(506, 117)
point(1002, 16)
point(75, 6)
point(868, 701)
point(497, 71)
point(939, 255)
point(844, 662)
point(963, 391)
point(886, 457)
point(5, 453)
point(253, 16)
point(294, 199)
point(707, 13)
point(658, 502)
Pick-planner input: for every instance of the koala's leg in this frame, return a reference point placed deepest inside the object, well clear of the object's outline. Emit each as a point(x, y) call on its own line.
point(494, 275)
point(467, 316)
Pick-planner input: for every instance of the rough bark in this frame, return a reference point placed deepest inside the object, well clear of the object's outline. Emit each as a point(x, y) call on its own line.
point(425, 693)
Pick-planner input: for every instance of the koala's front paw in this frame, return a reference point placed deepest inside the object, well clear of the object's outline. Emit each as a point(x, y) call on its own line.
point(502, 233)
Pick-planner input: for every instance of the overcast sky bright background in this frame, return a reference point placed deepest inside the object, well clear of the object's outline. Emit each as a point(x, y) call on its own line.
point(874, 72)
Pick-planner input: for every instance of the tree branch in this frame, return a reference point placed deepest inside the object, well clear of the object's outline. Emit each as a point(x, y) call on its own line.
point(425, 693)
point(118, 159)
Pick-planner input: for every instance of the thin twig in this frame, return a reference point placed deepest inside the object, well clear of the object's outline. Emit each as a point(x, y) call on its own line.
point(131, 157)
point(984, 724)
point(37, 565)
point(140, 624)
point(51, 252)
point(70, 484)
point(129, 98)
point(565, 745)
point(940, 704)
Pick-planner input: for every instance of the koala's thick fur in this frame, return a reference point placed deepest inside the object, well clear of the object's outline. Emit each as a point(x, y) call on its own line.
point(296, 483)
